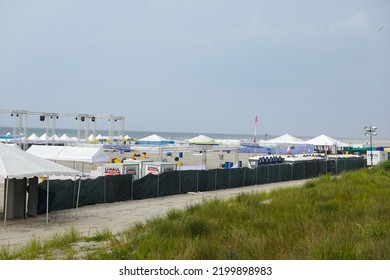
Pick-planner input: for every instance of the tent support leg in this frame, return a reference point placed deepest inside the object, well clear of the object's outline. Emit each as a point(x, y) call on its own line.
point(47, 200)
point(6, 201)
point(78, 197)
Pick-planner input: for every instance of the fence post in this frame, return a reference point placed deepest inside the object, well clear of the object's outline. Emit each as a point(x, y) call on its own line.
point(197, 180)
point(268, 174)
point(74, 192)
point(292, 170)
point(180, 181)
point(243, 177)
point(229, 178)
point(257, 170)
point(105, 189)
point(158, 185)
point(304, 170)
point(215, 185)
point(132, 188)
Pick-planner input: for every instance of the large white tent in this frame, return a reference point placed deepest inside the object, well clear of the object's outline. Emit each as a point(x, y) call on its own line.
point(17, 164)
point(287, 139)
point(202, 140)
point(154, 139)
point(327, 141)
point(70, 153)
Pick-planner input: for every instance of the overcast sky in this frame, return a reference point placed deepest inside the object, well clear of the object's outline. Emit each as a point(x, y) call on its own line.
point(304, 67)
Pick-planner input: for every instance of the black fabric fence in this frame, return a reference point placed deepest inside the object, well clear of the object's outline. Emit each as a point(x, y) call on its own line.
point(107, 189)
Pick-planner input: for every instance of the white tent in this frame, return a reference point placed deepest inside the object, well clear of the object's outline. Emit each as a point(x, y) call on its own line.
point(33, 138)
point(154, 139)
point(287, 139)
point(55, 138)
point(15, 163)
point(83, 154)
point(326, 141)
point(70, 153)
point(202, 140)
point(44, 137)
point(46, 152)
point(65, 138)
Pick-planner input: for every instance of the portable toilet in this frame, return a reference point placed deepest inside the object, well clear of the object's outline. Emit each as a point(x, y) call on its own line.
point(131, 169)
point(159, 167)
point(141, 163)
point(113, 169)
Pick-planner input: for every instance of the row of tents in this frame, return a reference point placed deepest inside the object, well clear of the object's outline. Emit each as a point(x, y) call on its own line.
point(286, 139)
point(64, 139)
point(322, 140)
point(154, 139)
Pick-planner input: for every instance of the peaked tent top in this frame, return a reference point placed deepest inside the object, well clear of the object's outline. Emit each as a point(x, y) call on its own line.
point(64, 137)
point(202, 139)
point(154, 139)
point(287, 139)
point(324, 140)
point(33, 137)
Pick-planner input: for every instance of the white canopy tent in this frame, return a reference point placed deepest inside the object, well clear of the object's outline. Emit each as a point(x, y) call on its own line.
point(287, 139)
point(70, 153)
point(283, 140)
point(154, 139)
point(65, 138)
point(33, 138)
point(46, 152)
point(17, 164)
point(202, 140)
point(83, 154)
point(324, 142)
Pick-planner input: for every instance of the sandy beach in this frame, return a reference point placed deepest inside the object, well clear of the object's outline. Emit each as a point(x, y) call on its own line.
point(113, 216)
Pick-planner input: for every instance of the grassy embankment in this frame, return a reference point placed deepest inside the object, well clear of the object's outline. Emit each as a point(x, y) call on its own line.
point(346, 217)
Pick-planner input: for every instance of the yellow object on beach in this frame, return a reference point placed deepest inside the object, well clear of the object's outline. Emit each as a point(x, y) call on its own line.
point(180, 164)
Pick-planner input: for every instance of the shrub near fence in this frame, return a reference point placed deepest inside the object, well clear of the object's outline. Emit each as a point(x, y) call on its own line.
point(106, 189)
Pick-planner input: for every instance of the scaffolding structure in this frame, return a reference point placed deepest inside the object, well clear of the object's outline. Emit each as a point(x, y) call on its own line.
point(86, 124)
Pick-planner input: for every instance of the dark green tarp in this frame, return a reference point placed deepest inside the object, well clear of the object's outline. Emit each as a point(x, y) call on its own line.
point(63, 193)
point(146, 187)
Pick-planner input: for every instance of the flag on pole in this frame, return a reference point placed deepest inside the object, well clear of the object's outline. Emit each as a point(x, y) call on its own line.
point(256, 124)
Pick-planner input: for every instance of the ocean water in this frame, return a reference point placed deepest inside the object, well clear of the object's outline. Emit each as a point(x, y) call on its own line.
point(138, 134)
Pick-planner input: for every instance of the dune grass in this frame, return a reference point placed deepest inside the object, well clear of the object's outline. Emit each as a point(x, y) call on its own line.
point(345, 217)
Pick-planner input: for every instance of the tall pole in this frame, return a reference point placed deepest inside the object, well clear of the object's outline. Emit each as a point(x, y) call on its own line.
point(371, 131)
point(371, 148)
point(256, 124)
